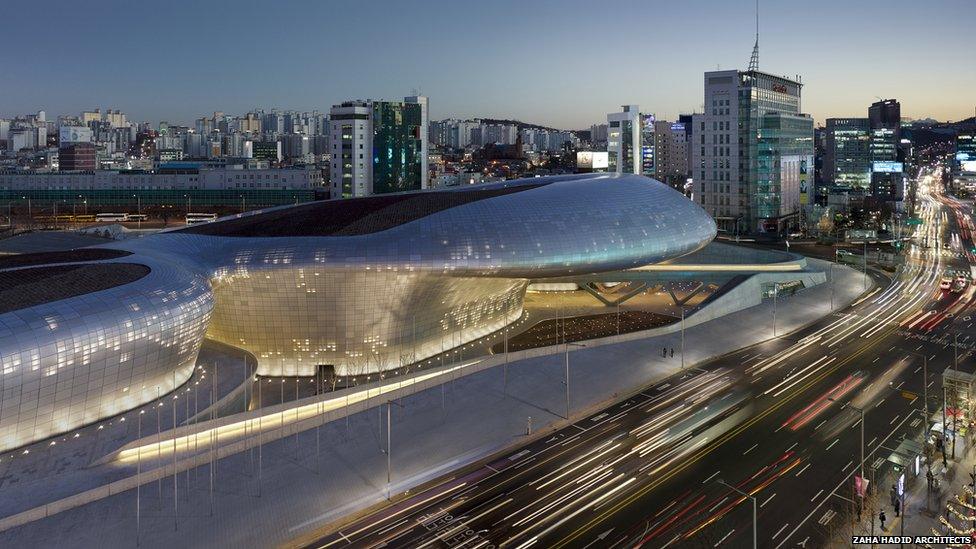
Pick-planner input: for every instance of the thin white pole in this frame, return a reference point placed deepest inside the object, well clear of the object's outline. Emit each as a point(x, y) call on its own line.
point(682, 337)
point(176, 510)
point(389, 449)
point(139, 476)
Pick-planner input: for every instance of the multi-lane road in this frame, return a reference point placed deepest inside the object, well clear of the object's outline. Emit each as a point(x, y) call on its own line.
point(673, 465)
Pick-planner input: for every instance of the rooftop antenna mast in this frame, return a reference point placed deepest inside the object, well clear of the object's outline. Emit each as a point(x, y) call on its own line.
point(754, 61)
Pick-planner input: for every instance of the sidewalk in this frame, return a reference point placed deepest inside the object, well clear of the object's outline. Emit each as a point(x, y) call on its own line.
point(924, 508)
point(299, 483)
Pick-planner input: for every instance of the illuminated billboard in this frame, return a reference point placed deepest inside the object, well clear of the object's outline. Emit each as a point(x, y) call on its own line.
point(888, 167)
point(968, 166)
point(594, 160)
point(74, 134)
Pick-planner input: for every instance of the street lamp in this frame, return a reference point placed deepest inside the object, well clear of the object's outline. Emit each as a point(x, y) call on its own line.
point(864, 259)
point(568, 345)
point(925, 385)
point(389, 448)
point(775, 296)
point(861, 411)
point(755, 526)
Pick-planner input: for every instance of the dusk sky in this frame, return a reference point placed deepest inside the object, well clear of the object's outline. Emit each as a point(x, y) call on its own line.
point(560, 63)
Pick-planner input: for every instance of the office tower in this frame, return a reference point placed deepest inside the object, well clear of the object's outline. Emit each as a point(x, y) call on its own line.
point(752, 151)
point(847, 153)
point(887, 174)
point(964, 163)
point(378, 147)
point(687, 120)
point(648, 145)
point(422, 133)
point(624, 140)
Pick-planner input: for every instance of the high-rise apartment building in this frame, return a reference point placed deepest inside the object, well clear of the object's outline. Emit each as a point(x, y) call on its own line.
point(598, 134)
point(752, 151)
point(378, 147)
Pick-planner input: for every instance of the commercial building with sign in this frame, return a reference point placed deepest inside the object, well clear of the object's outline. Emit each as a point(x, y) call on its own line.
point(351, 286)
point(964, 167)
point(749, 146)
point(885, 119)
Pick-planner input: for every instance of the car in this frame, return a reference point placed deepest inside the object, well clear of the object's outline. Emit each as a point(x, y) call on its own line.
point(945, 284)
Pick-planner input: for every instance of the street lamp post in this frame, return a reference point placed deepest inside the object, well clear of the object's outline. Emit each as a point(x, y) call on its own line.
point(682, 337)
point(755, 525)
point(389, 447)
point(775, 297)
point(865, 265)
point(830, 272)
point(861, 411)
point(925, 385)
point(568, 345)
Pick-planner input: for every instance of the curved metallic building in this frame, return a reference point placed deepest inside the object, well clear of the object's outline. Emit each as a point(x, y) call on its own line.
point(361, 285)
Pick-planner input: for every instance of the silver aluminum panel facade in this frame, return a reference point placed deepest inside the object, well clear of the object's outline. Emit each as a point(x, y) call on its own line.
point(363, 303)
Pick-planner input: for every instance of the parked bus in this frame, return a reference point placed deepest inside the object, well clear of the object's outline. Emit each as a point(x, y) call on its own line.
point(194, 218)
point(111, 217)
point(138, 217)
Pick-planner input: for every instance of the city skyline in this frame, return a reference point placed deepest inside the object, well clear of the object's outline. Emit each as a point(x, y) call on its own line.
point(541, 63)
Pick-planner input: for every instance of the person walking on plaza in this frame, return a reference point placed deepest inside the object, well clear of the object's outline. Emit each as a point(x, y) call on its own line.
point(664, 352)
point(897, 506)
point(883, 518)
point(672, 352)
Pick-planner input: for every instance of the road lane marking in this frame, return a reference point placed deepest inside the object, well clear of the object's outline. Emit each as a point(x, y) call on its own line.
point(841, 483)
point(817, 495)
point(832, 444)
point(725, 537)
point(844, 468)
point(715, 474)
point(770, 498)
point(716, 506)
point(715, 444)
point(894, 420)
point(674, 539)
point(753, 447)
point(780, 531)
point(827, 517)
point(804, 469)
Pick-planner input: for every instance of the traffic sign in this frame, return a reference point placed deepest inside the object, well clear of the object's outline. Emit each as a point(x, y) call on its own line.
point(913, 221)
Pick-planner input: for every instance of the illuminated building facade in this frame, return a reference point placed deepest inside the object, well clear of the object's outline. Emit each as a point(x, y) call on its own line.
point(752, 119)
point(349, 286)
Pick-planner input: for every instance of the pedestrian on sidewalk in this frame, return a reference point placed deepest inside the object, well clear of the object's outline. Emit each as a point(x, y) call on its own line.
point(672, 352)
point(883, 519)
point(897, 506)
point(664, 352)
